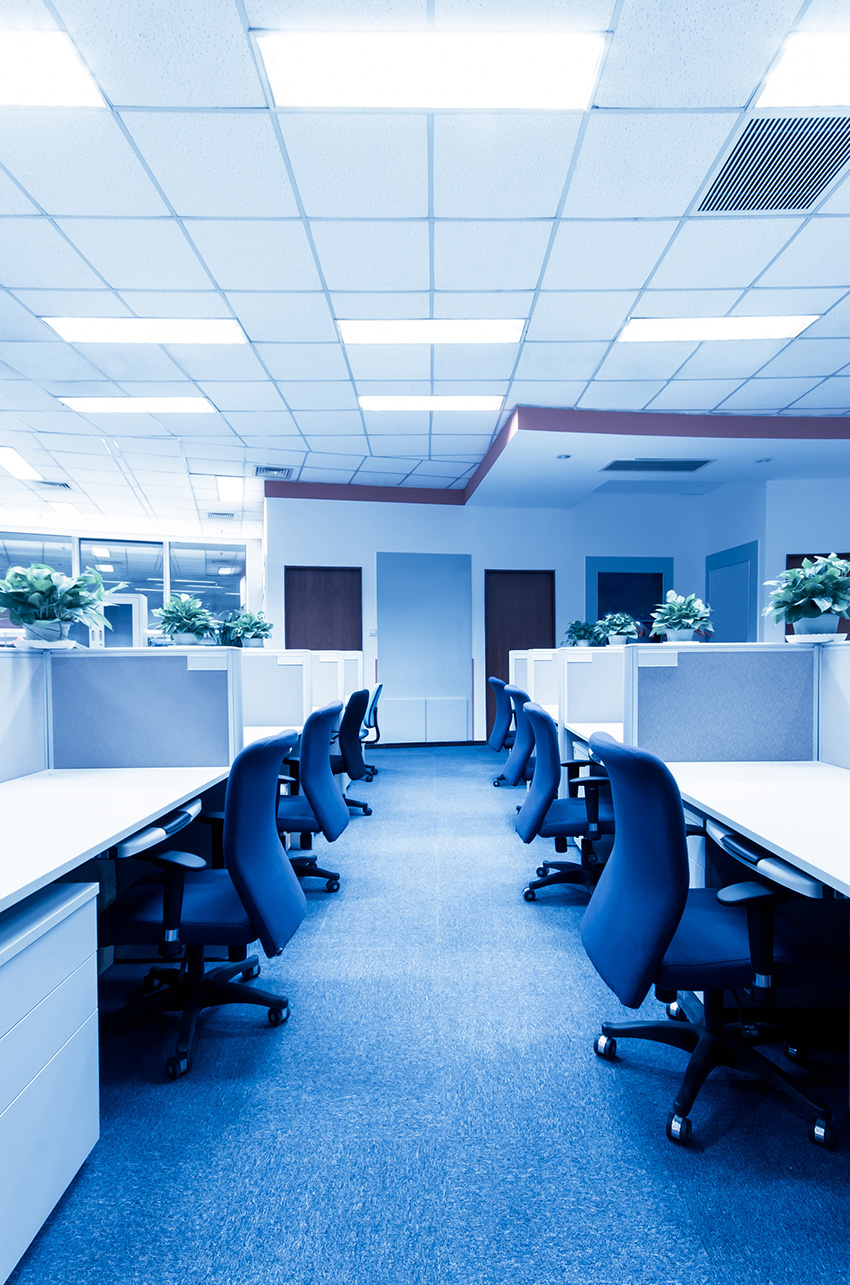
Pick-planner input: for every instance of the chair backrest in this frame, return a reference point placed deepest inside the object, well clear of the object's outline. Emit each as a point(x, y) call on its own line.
point(641, 894)
point(547, 773)
point(253, 853)
point(523, 737)
point(371, 719)
point(350, 746)
point(316, 775)
point(502, 721)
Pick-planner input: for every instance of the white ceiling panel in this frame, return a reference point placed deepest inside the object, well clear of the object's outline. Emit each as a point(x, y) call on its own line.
point(197, 304)
point(304, 361)
point(284, 317)
point(245, 254)
point(378, 479)
point(482, 305)
point(559, 360)
point(185, 53)
point(767, 394)
point(444, 469)
point(49, 150)
point(835, 324)
point(809, 357)
point(474, 361)
point(832, 394)
point(550, 392)
point(461, 445)
point(120, 425)
point(81, 388)
point(562, 315)
point(316, 395)
point(389, 361)
point(686, 303)
point(469, 387)
point(254, 395)
point(272, 455)
point(261, 423)
point(412, 444)
point(607, 255)
point(137, 254)
point(359, 165)
point(449, 421)
point(642, 165)
point(344, 444)
point(129, 361)
point(711, 253)
point(786, 303)
point(397, 423)
point(22, 394)
point(224, 164)
point(819, 256)
point(394, 388)
point(579, 15)
point(694, 394)
point(315, 422)
point(715, 54)
point(610, 395)
point(386, 464)
point(373, 256)
point(325, 475)
point(731, 359)
point(34, 253)
point(531, 152)
point(412, 305)
point(644, 361)
point(73, 303)
point(188, 425)
point(217, 361)
point(47, 361)
point(824, 15)
point(308, 15)
point(12, 199)
point(489, 256)
point(17, 323)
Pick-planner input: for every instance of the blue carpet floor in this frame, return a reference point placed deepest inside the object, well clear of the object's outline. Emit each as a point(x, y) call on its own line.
point(433, 1113)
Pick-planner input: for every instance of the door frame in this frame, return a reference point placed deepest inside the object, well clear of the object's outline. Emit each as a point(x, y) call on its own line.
point(748, 553)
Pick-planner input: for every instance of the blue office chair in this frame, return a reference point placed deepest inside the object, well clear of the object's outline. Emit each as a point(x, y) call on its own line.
point(587, 817)
point(320, 808)
point(349, 760)
point(502, 735)
point(189, 907)
point(370, 725)
point(644, 927)
point(520, 765)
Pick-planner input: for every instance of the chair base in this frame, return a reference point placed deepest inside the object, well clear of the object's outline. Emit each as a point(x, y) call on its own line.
point(554, 872)
point(710, 1044)
point(356, 803)
point(307, 868)
point(189, 988)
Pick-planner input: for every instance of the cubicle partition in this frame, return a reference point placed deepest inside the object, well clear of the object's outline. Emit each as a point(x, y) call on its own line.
point(336, 674)
point(23, 713)
point(834, 721)
point(277, 687)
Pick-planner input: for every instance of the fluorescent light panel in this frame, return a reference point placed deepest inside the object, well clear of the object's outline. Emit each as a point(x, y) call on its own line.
point(642, 330)
point(431, 332)
point(146, 330)
point(813, 71)
point(139, 405)
point(103, 566)
point(43, 69)
point(432, 403)
point(101, 551)
point(15, 464)
point(545, 70)
point(65, 510)
point(230, 488)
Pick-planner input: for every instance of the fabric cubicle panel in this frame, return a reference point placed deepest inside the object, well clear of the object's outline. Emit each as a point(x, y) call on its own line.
point(592, 684)
point(23, 713)
point(424, 614)
point(834, 705)
point(276, 687)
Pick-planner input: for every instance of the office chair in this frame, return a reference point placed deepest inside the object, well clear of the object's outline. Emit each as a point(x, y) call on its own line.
point(189, 907)
point(520, 764)
point(321, 807)
point(644, 927)
point(543, 813)
point(349, 760)
point(502, 735)
point(370, 724)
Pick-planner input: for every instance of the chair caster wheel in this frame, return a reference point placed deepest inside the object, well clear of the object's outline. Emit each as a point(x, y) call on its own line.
point(175, 1067)
point(151, 984)
point(676, 1013)
point(678, 1128)
point(277, 1016)
point(529, 894)
point(250, 973)
point(796, 1053)
point(605, 1046)
point(498, 780)
point(332, 885)
point(367, 812)
point(823, 1134)
point(542, 872)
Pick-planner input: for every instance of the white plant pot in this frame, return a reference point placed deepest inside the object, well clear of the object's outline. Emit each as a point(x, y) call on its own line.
point(825, 624)
point(47, 630)
point(185, 640)
point(582, 642)
point(252, 642)
point(618, 640)
point(680, 635)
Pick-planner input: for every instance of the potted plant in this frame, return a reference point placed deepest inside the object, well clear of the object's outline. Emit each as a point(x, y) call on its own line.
point(47, 602)
point(185, 620)
point(618, 627)
point(812, 597)
point(243, 628)
point(679, 617)
point(580, 633)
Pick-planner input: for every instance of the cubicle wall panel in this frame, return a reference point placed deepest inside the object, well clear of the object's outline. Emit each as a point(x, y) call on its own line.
point(273, 688)
point(734, 705)
point(594, 686)
point(835, 705)
point(23, 714)
point(126, 711)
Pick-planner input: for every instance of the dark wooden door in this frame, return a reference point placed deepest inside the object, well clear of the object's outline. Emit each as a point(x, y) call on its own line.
point(519, 612)
point(323, 608)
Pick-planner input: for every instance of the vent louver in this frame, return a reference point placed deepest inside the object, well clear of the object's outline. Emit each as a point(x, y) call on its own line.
point(221, 515)
point(781, 164)
point(266, 470)
point(654, 466)
point(56, 486)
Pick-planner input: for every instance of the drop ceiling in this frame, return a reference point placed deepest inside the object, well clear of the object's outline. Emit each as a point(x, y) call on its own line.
point(189, 196)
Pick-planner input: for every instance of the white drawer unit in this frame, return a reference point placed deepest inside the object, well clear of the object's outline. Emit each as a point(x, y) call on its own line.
point(48, 1056)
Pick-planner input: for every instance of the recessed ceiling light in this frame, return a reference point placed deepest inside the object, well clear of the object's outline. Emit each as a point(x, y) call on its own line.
point(146, 330)
point(812, 71)
point(43, 69)
point(103, 566)
point(65, 510)
point(641, 330)
point(230, 488)
point(225, 571)
point(431, 332)
point(139, 405)
point(101, 551)
point(15, 464)
point(507, 70)
point(431, 403)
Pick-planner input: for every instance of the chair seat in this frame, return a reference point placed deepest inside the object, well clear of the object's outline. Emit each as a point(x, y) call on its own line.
point(567, 818)
point(295, 815)
point(211, 912)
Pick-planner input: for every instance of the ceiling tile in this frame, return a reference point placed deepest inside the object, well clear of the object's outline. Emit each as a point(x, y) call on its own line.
point(412, 444)
point(272, 455)
point(33, 253)
point(217, 361)
point(832, 394)
point(389, 361)
point(136, 254)
point(198, 304)
point(152, 388)
point(12, 199)
point(22, 394)
point(489, 256)
point(439, 469)
point(262, 423)
point(730, 358)
point(338, 476)
point(819, 256)
point(123, 425)
point(686, 303)
point(640, 165)
point(786, 303)
point(242, 396)
point(378, 479)
point(610, 395)
point(361, 306)
point(304, 361)
point(580, 15)
point(468, 387)
point(559, 360)
point(344, 444)
point(607, 255)
point(359, 165)
point(47, 361)
point(17, 323)
point(307, 15)
point(315, 395)
point(483, 305)
point(49, 150)
point(73, 303)
point(394, 388)
point(215, 163)
point(550, 392)
point(397, 423)
point(129, 361)
point(474, 361)
point(693, 394)
point(644, 361)
point(447, 445)
point(809, 357)
point(710, 253)
point(534, 149)
point(448, 421)
point(835, 324)
point(373, 256)
point(386, 464)
point(319, 422)
point(263, 254)
point(576, 315)
point(284, 317)
point(824, 15)
point(767, 394)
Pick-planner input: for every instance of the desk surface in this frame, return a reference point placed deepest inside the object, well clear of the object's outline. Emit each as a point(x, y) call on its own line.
point(51, 822)
point(796, 810)
point(256, 732)
point(584, 731)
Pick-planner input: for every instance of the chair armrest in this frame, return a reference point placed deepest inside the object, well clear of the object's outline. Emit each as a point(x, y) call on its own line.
point(692, 829)
point(759, 901)
point(174, 866)
point(212, 818)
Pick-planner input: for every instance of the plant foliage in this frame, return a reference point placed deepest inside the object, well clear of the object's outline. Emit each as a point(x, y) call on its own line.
point(185, 615)
point(618, 622)
point(236, 625)
point(820, 587)
point(580, 631)
point(38, 592)
point(678, 612)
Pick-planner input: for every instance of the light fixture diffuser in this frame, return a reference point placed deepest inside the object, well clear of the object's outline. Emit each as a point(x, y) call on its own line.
point(65, 510)
point(139, 405)
point(230, 488)
point(430, 70)
point(813, 71)
point(15, 464)
point(104, 566)
point(431, 332)
point(147, 330)
point(430, 403)
point(642, 330)
point(43, 69)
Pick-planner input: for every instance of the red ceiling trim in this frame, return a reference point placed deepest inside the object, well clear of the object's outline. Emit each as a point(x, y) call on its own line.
point(495, 450)
point(364, 494)
point(664, 424)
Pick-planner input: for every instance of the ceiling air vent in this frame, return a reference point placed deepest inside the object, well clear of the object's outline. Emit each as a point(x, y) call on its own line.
point(266, 470)
point(221, 515)
point(781, 164)
point(654, 466)
point(56, 486)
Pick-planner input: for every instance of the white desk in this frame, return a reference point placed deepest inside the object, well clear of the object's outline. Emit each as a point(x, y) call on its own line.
point(255, 732)
point(584, 731)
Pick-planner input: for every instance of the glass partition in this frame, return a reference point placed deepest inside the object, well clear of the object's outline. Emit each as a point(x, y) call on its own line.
point(21, 550)
point(213, 573)
point(136, 563)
